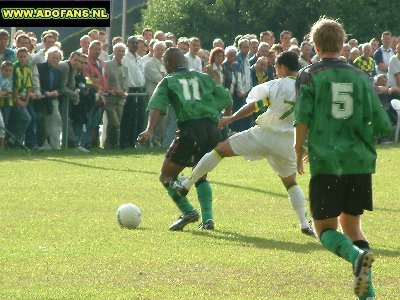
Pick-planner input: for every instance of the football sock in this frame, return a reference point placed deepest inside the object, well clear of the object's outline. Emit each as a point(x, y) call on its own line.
point(204, 194)
point(370, 292)
point(298, 202)
point(181, 201)
point(206, 164)
point(340, 244)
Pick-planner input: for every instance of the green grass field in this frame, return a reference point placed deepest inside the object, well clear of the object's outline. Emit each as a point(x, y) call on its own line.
point(60, 239)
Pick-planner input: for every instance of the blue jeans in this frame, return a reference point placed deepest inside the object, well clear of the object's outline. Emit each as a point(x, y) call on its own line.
point(19, 122)
point(91, 136)
point(31, 132)
point(244, 123)
point(133, 118)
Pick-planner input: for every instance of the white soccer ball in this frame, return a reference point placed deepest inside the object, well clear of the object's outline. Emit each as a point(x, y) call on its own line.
point(129, 216)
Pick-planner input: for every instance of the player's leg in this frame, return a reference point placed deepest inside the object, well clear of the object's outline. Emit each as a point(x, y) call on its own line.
point(169, 172)
point(205, 197)
point(328, 196)
point(206, 164)
point(351, 226)
point(298, 202)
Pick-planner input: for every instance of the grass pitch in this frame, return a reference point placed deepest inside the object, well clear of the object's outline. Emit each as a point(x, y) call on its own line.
point(60, 239)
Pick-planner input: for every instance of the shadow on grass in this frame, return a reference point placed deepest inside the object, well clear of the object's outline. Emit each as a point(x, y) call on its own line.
point(68, 162)
point(20, 154)
point(265, 243)
point(386, 209)
point(262, 243)
point(248, 188)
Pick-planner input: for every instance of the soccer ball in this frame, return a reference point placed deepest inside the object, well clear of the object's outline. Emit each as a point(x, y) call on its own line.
point(129, 216)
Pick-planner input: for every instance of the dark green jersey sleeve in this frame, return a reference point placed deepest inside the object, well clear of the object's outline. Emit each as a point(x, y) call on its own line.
point(304, 104)
point(159, 99)
point(381, 121)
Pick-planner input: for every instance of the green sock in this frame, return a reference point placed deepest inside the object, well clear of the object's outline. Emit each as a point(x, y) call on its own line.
point(371, 291)
point(204, 195)
point(181, 201)
point(340, 244)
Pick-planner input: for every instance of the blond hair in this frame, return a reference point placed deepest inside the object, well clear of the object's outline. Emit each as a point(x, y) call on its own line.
point(328, 35)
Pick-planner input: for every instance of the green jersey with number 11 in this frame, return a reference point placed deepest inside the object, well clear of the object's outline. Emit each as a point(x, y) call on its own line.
point(343, 114)
point(193, 95)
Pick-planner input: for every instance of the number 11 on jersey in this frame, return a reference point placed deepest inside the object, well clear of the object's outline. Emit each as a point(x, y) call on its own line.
point(190, 88)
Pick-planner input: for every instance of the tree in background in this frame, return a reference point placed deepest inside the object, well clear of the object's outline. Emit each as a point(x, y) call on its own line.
point(208, 19)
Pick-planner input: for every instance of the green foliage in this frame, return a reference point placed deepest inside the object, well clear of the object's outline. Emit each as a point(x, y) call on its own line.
point(211, 19)
point(60, 239)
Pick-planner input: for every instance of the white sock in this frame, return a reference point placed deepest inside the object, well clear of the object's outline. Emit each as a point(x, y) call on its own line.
point(206, 164)
point(298, 201)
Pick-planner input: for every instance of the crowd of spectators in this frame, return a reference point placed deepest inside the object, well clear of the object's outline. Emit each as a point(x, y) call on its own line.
point(48, 101)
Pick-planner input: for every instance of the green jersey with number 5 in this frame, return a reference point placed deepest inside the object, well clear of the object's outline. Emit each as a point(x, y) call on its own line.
point(193, 95)
point(343, 114)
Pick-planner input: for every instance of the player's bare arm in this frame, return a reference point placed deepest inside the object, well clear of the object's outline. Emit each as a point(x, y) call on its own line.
point(300, 137)
point(154, 117)
point(244, 111)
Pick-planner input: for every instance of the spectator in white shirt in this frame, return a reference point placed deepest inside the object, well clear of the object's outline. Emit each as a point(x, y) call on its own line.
point(133, 116)
point(192, 60)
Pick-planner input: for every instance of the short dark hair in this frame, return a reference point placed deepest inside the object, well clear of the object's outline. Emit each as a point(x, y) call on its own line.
point(288, 59)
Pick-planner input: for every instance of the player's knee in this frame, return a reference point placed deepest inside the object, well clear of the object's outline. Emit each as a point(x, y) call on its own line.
point(163, 180)
point(224, 149)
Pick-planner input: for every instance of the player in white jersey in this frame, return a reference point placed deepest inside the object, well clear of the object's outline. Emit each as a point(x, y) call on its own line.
point(272, 138)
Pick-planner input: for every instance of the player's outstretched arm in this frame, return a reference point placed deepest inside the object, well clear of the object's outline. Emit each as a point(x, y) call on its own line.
point(154, 117)
point(244, 111)
point(301, 133)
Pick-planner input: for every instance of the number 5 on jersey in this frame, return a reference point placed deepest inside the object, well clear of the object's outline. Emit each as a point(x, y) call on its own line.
point(342, 100)
point(190, 88)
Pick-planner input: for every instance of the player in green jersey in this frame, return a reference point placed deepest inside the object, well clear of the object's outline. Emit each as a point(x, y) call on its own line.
point(338, 110)
point(197, 101)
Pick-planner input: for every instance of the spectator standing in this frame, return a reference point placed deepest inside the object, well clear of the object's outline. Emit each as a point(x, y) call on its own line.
point(133, 116)
point(84, 42)
point(244, 85)
point(305, 54)
point(183, 44)
point(68, 97)
point(154, 71)
point(262, 51)
point(78, 113)
point(258, 71)
point(147, 34)
point(267, 37)
point(214, 68)
point(285, 38)
point(48, 41)
point(394, 69)
point(48, 115)
point(365, 62)
point(192, 60)
point(374, 42)
point(383, 54)
point(95, 112)
point(6, 89)
point(6, 54)
point(22, 83)
point(118, 88)
point(218, 43)
point(253, 48)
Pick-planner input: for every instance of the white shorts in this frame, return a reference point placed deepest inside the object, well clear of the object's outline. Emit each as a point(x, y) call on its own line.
point(256, 143)
point(2, 132)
